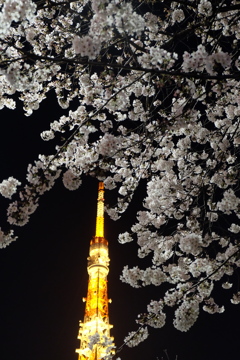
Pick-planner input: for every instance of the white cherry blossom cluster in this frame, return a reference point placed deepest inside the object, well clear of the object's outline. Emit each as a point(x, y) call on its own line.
point(211, 307)
point(19, 214)
point(93, 339)
point(157, 317)
point(9, 187)
point(124, 18)
point(6, 238)
point(205, 7)
point(178, 15)
point(124, 238)
point(236, 298)
point(200, 60)
point(136, 337)
point(108, 145)
point(86, 46)
point(186, 315)
point(104, 343)
point(71, 181)
point(191, 244)
point(16, 10)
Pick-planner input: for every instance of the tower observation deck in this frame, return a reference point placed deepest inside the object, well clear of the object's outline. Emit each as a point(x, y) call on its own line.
point(96, 319)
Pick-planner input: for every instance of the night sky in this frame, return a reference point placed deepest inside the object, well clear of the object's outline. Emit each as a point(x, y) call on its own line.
point(44, 273)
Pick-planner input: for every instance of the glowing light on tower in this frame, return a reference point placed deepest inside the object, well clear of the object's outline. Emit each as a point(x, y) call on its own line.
point(96, 319)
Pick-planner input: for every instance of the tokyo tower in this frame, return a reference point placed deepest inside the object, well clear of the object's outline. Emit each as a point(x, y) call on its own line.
point(96, 320)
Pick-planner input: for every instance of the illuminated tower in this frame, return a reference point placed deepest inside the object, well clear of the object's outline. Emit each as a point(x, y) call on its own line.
point(96, 320)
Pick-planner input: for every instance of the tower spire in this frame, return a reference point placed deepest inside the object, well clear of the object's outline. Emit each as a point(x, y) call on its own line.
point(100, 211)
point(94, 332)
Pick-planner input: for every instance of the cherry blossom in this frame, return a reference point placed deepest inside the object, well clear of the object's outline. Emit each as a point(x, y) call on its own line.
point(149, 93)
point(136, 337)
point(9, 187)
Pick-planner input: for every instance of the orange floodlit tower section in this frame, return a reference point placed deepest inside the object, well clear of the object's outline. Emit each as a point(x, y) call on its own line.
point(96, 319)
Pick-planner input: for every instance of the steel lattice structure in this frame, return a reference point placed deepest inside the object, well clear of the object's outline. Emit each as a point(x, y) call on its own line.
point(96, 318)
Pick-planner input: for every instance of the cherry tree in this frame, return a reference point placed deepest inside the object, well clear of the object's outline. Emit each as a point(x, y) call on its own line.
point(151, 91)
